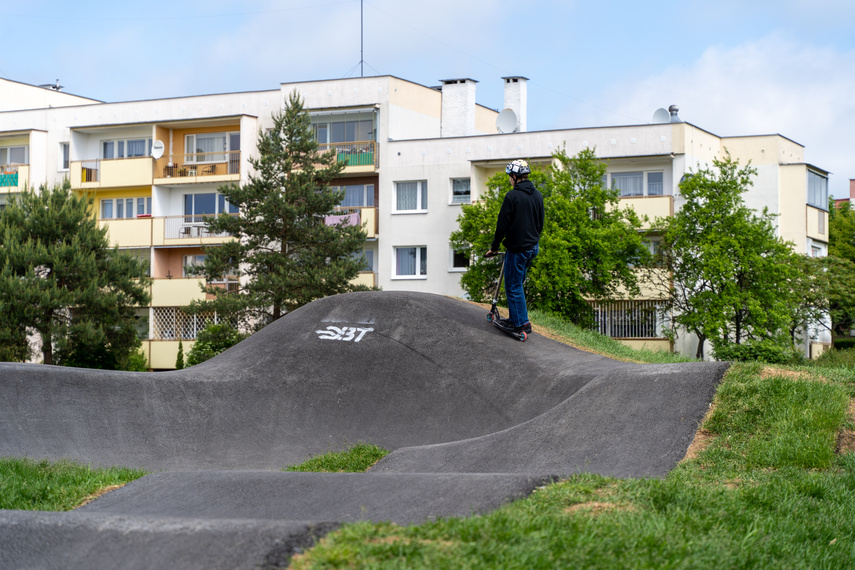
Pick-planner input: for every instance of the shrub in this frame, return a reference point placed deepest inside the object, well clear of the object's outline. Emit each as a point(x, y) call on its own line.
point(762, 351)
point(211, 341)
point(844, 343)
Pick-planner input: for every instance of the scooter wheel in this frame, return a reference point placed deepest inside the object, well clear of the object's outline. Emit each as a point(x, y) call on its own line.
point(523, 336)
point(490, 317)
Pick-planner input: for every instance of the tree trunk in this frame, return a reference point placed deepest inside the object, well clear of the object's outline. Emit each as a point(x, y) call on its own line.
point(700, 352)
point(47, 349)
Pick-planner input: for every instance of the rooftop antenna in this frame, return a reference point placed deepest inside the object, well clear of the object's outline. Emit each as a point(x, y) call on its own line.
point(361, 41)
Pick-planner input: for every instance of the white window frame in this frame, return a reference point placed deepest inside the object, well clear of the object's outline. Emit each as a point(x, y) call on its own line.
point(609, 180)
point(6, 154)
point(194, 260)
point(421, 197)
point(468, 200)
point(64, 156)
point(420, 262)
point(121, 147)
point(190, 143)
point(135, 202)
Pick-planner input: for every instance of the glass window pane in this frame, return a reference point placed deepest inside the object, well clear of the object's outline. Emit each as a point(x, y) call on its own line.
point(629, 183)
point(654, 184)
point(337, 133)
point(405, 261)
point(136, 147)
point(120, 208)
point(140, 206)
point(424, 194)
point(460, 191)
point(205, 204)
point(120, 149)
point(108, 150)
point(188, 204)
point(406, 195)
point(423, 261)
point(129, 208)
point(148, 205)
point(106, 208)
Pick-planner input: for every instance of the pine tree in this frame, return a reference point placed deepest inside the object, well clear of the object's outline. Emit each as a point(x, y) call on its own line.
point(60, 279)
point(284, 251)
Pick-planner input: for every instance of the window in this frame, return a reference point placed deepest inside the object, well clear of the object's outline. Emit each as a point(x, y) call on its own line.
point(206, 204)
point(125, 148)
point(14, 155)
point(460, 191)
point(356, 126)
point(820, 224)
point(209, 147)
point(459, 261)
point(410, 261)
point(817, 190)
point(357, 196)
point(815, 251)
point(629, 183)
point(654, 184)
point(191, 262)
point(64, 156)
point(368, 254)
point(125, 207)
point(411, 196)
point(633, 183)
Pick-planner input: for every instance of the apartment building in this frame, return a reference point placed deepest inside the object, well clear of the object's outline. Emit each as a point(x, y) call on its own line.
point(413, 155)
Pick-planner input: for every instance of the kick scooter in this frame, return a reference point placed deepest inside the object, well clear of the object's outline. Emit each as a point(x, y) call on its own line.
point(493, 316)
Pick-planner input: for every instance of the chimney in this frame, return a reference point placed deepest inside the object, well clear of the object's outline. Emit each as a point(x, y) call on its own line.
point(458, 107)
point(516, 99)
point(852, 189)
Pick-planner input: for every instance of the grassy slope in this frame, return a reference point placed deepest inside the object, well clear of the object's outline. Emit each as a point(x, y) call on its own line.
point(768, 491)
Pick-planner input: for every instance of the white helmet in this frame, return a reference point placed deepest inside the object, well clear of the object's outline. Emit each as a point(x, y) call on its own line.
point(517, 168)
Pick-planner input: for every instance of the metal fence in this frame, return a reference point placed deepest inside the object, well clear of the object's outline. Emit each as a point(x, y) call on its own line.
point(630, 319)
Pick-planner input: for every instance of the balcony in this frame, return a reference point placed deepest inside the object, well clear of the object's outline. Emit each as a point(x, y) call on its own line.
point(357, 156)
point(198, 167)
point(189, 230)
point(651, 206)
point(365, 215)
point(14, 176)
point(111, 173)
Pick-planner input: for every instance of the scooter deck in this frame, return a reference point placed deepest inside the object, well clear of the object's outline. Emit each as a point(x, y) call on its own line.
point(520, 336)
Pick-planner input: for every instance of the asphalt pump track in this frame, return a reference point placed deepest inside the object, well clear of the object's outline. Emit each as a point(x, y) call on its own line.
point(474, 420)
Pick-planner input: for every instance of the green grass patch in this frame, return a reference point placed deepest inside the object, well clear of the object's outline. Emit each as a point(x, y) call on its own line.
point(355, 459)
point(601, 344)
point(30, 485)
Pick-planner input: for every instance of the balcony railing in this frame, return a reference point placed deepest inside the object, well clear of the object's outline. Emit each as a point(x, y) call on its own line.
point(365, 215)
point(189, 226)
point(358, 153)
point(198, 164)
point(9, 175)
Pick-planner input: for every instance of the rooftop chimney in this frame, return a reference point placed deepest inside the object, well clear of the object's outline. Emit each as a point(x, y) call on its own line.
point(516, 99)
point(458, 107)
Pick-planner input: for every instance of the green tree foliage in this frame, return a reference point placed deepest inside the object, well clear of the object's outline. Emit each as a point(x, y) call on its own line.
point(588, 245)
point(212, 340)
point(60, 279)
point(729, 273)
point(287, 253)
point(841, 253)
point(179, 358)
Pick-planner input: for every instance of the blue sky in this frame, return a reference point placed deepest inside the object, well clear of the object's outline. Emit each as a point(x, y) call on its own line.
point(734, 67)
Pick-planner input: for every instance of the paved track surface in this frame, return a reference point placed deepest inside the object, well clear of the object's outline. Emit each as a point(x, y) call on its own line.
point(474, 418)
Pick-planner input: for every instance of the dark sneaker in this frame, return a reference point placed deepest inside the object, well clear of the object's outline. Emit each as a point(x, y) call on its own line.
point(505, 323)
point(526, 328)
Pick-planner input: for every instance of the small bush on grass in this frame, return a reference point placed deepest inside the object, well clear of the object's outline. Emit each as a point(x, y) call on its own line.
point(30, 485)
point(355, 459)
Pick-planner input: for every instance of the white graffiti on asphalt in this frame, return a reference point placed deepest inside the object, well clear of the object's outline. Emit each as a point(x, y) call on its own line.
point(343, 333)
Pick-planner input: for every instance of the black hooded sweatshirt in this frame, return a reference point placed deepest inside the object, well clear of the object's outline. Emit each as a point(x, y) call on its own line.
point(520, 220)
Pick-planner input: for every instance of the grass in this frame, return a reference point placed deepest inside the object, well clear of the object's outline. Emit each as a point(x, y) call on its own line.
point(355, 459)
point(30, 485)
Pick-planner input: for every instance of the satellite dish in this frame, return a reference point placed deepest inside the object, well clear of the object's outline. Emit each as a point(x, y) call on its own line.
point(157, 149)
point(506, 122)
point(661, 116)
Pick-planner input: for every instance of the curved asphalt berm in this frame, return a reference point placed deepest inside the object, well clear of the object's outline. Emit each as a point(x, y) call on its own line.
point(423, 375)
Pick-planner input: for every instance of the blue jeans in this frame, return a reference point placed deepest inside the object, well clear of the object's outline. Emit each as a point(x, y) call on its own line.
point(516, 268)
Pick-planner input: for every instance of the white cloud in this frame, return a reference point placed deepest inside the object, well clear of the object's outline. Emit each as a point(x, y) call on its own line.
point(772, 85)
